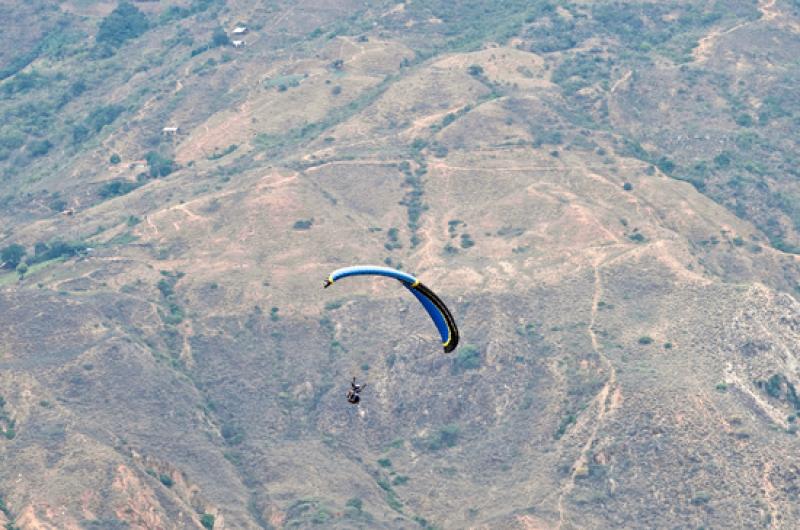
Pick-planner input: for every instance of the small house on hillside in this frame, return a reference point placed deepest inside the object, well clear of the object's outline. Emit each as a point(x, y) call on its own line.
point(240, 30)
point(238, 43)
point(169, 131)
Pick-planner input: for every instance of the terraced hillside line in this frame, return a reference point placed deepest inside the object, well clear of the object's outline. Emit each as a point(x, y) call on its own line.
point(605, 399)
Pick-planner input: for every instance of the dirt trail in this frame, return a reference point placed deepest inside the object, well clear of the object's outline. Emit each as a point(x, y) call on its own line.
point(769, 490)
point(606, 401)
point(619, 82)
point(442, 165)
point(768, 11)
point(704, 46)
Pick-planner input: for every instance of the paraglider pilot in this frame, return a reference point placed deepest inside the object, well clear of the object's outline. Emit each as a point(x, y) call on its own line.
point(353, 394)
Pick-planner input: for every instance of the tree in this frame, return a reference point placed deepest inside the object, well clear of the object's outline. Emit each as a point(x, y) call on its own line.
point(475, 70)
point(12, 255)
point(125, 22)
point(159, 166)
point(219, 38)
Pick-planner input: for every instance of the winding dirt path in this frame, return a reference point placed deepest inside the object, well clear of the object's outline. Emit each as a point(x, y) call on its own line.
point(607, 399)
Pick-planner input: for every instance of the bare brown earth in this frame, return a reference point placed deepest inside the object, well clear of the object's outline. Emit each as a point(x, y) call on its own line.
point(636, 350)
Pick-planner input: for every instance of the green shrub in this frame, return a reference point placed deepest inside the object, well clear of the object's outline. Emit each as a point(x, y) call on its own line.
point(744, 120)
point(166, 480)
point(159, 166)
point(102, 116)
point(356, 503)
point(399, 480)
point(701, 497)
point(566, 421)
point(645, 340)
point(39, 148)
point(58, 205)
point(115, 188)
point(385, 462)
point(207, 520)
point(166, 287)
point(115, 159)
point(445, 437)
point(303, 224)
point(468, 358)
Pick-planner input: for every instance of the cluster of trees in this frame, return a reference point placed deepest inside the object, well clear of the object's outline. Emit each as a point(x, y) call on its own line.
point(13, 256)
point(125, 22)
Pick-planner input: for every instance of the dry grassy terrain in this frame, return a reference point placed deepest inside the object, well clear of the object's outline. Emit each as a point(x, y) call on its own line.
point(605, 194)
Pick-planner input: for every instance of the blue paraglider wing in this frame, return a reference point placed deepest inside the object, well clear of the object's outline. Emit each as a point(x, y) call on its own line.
point(438, 312)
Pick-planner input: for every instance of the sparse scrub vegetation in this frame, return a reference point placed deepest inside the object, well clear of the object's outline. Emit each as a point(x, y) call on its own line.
point(467, 358)
point(443, 438)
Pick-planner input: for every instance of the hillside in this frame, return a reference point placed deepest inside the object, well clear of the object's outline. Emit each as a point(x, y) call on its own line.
point(605, 194)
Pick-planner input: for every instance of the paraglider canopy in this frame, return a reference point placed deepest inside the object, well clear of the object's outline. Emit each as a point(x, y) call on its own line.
point(438, 312)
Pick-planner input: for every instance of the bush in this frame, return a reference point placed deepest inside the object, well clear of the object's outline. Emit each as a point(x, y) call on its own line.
point(102, 116)
point(447, 436)
point(303, 224)
point(475, 70)
point(39, 148)
point(468, 358)
point(115, 159)
point(385, 462)
point(166, 480)
point(627, 186)
point(700, 498)
point(356, 503)
point(166, 288)
point(159, 166)
point(116, 188)
point(207, 520)
point(645, 340)
point(399, 480)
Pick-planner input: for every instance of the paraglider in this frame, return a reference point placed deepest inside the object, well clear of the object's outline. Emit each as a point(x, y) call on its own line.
point(354, 394)
point(439, 313)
